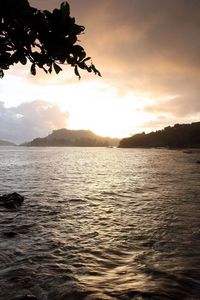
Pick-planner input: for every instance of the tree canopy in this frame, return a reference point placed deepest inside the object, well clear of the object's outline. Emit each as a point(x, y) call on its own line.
point(45, 39)
point(178, 136)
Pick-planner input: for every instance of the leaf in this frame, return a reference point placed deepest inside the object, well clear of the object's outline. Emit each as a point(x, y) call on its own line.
point(50, 69)
point(33, 70)
point(77, 29)
point(45, 70)
point(57, 68)
point(23, 59)
point(15, 57)
point(95, 70)
point(65, 9)
point(17, 8)
point(82, 65)
point(86, 59)
point(1, 73)
point(77, 72)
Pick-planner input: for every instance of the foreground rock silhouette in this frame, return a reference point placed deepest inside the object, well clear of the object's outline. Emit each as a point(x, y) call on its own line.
point(10, 234)
point(11, 201)
point(27, 297)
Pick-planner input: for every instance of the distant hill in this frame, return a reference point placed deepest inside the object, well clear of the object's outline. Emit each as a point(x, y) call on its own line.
point(72, 138)
point(6, 143)
point(178, 136)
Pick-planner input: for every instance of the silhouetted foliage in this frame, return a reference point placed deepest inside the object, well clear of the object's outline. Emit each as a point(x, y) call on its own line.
point(46, 39)
point(178, 136)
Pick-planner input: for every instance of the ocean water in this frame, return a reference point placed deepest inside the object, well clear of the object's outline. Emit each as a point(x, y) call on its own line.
point(100, 224)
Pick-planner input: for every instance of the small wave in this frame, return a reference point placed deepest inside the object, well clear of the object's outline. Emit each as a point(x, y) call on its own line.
point(76, 200)
point(107, 194)
point(5, 258)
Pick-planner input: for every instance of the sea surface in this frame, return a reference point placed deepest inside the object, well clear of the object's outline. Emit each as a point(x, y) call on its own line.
point(100, 224)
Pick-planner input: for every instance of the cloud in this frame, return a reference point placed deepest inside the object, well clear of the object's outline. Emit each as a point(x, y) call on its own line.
point(29, 120)
point(149, 48)
point(179, 106)
point(141, 45)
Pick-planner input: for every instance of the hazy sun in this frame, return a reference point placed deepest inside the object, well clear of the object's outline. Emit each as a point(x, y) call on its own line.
point(91, 104)
point(101, 109)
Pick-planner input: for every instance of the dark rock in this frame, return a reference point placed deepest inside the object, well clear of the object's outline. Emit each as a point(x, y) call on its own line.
point(10, 201)
point(10, 234)
point(198, 161)
point(27, 297)
point(188, 151)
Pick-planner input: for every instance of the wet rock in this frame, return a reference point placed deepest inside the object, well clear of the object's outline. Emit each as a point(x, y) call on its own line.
point(27, 297)
point(10, 201)
point(10, 234)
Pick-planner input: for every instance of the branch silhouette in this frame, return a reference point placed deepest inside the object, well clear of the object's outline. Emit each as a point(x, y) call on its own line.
point(46, 39)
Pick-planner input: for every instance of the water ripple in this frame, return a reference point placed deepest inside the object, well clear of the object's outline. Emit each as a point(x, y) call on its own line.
point(100, 224)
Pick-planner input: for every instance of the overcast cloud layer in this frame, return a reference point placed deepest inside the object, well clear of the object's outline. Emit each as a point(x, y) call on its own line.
point(146, 46)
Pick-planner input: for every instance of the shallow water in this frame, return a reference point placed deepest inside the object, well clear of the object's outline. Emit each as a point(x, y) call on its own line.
point(100, 223)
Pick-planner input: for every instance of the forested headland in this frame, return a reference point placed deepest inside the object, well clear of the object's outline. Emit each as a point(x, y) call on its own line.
point(72, 138)
point(177, 136)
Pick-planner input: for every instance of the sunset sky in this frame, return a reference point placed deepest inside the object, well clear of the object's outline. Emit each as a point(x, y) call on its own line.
point(148, 52)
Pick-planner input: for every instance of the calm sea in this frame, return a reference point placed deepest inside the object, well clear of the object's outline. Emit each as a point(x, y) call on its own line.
point(100, 224)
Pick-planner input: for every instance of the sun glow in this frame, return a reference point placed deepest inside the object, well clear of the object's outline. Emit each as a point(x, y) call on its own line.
point(101, 109)
point(92, 104)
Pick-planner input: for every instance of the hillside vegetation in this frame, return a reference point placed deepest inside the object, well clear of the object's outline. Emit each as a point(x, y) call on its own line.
point(73, 138)
point(178, 136)
point(6, 143)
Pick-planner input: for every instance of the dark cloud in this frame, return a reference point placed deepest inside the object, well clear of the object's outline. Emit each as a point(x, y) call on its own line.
point(138, 32)
point(30, 120)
